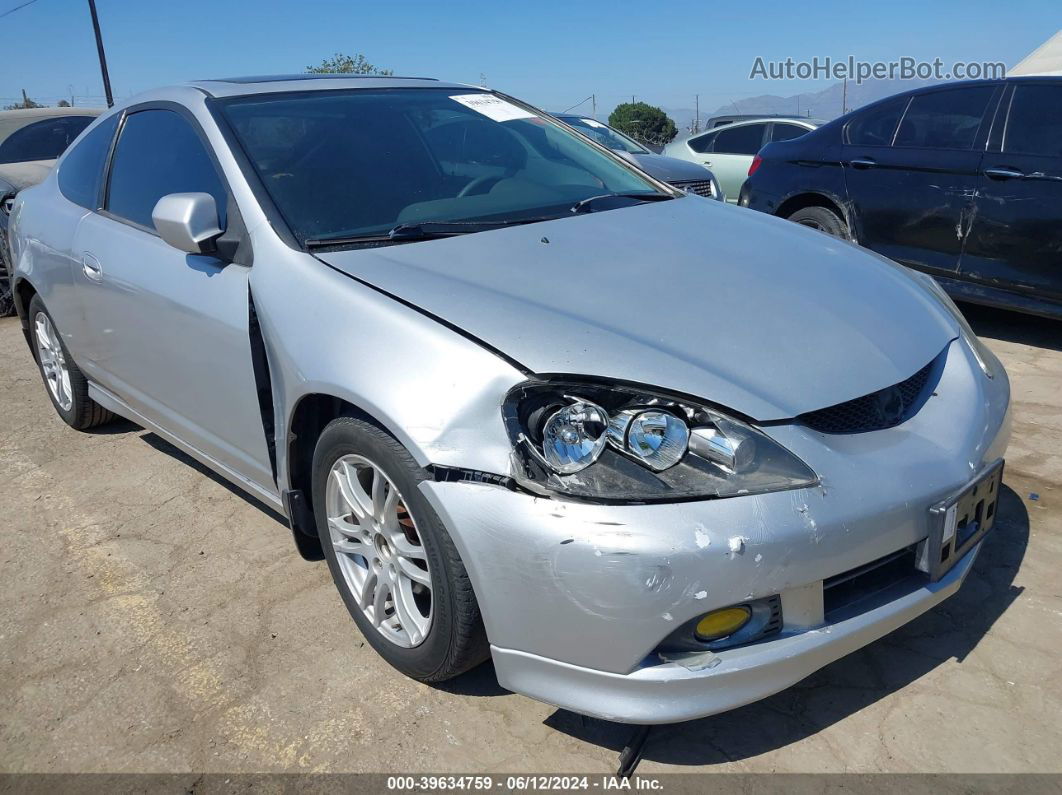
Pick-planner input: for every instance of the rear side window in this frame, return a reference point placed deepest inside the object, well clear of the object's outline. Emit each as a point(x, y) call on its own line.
point(43, 140)
point(784, 132)
point(877, 126)
point(944, 119)
point(82, 169)
point(1035, 123)
point(159, 153)
point(744, 140)
point(702, 143)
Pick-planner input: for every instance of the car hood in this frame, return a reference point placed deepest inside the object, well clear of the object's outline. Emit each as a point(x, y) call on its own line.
point(667, 169)
point(751, 312)
point(16, 176)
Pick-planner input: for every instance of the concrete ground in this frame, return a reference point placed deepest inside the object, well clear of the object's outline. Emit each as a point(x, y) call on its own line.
point(152, 619)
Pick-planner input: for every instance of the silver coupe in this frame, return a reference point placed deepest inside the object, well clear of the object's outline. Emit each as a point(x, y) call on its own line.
point(656, 456)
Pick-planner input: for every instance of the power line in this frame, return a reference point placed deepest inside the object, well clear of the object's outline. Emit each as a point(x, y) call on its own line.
point(16, 8)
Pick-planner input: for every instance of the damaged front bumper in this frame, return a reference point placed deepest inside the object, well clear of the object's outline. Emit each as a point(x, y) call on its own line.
point(578, 597)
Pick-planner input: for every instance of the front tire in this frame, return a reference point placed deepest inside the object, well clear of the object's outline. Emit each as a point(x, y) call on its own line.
point(822, 218)
point(395, 566)
point(64, 382)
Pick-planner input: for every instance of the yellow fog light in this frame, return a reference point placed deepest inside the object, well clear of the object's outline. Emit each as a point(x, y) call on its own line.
point(720, 623)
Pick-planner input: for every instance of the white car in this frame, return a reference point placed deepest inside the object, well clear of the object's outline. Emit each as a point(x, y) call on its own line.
point(729, 150)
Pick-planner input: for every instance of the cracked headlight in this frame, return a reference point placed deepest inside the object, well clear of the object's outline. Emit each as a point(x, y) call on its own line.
point(636, 445)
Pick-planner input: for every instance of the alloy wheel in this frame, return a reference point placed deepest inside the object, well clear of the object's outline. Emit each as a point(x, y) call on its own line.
point(53, 362)
point(379, 550)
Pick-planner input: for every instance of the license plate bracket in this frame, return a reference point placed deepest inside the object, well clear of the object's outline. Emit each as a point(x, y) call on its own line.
point(959, 522)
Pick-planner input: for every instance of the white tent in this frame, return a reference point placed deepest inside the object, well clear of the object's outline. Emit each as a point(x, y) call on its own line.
point(1044, 60)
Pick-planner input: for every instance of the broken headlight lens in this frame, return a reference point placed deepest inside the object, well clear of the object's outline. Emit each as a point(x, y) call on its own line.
point(634, 445)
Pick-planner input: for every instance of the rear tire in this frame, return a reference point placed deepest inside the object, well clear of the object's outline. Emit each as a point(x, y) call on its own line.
point(395, 565)
point(64, 382)
point(822, 218)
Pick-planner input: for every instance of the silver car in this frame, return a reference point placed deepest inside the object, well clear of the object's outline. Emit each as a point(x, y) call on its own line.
point(655, 456)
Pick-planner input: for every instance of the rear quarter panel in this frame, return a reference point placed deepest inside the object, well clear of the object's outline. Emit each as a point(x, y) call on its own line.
point(43, 224)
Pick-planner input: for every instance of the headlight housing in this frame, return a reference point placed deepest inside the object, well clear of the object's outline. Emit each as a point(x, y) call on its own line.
point(977, 348)
point(630, 444)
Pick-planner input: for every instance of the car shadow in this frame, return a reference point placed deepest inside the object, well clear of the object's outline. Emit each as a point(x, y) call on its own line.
point(1003, 324)
point(173, 451)
point(950, 631)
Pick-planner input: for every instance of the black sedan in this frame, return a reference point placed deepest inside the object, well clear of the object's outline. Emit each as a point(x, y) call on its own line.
point(961, 180)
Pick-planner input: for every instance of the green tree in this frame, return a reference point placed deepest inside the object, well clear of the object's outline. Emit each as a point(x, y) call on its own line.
point(644, 122)
point(347, 65)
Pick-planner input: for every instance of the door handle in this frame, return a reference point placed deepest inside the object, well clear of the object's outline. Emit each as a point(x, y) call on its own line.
point(1003, 172)
point(707, 162)
point(862, 162)
point(91, 267)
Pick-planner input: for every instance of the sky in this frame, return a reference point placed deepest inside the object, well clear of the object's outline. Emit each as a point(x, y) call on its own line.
point(551, 54)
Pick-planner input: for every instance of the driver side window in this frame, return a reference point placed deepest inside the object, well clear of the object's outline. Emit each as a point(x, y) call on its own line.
point(158, 153)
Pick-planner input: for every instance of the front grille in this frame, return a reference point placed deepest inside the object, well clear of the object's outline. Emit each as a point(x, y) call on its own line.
point(878, 410)
point(846, 590)
point(702, 187)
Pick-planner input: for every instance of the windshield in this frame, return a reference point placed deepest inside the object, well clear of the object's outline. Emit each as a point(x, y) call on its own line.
point(605, 135)
point(343, 164)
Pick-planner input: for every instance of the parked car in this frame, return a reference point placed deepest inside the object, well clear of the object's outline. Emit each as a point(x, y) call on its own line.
point(30, 141)
point(962, 181)
point(728, 150)
point(654, 457)
point(680, 173)
point(721, 121)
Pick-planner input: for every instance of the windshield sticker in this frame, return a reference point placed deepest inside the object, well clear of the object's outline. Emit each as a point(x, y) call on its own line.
point(493, 107)
point(593, 123)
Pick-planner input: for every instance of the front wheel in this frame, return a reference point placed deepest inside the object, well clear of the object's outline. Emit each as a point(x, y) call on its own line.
point(822, 218)
point(390, 556)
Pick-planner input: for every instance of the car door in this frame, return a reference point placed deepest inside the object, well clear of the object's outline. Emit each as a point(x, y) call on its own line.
point(170, 330)
point(731, 154)
point(911, 190)
point(1016, 234)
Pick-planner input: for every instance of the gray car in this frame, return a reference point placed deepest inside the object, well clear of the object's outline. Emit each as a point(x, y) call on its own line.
point(30, 141)
point(656, 456)
point(680, 173)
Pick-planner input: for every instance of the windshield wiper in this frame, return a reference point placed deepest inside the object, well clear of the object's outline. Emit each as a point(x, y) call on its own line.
point(587, 205)
point(422, 230)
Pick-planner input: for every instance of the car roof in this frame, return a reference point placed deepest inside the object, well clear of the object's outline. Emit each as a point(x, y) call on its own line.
point(766, 119)
point(269, 84)
point(41, 113)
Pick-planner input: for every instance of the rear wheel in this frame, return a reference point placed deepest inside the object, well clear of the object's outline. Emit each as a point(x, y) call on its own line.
point(822, 218)
point(390, 556)
point(66, 385)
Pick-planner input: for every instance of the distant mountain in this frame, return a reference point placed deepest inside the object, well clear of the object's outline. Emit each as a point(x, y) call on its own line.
point(824, 104)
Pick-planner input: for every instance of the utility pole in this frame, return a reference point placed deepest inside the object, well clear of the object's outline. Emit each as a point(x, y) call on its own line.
point(103, 56)
point(593, 99)
point(844, 97)
point(696, 113)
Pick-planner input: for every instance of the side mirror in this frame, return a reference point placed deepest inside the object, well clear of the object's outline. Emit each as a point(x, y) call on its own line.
point(188, 221)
